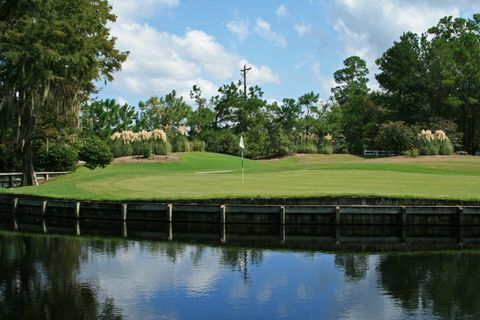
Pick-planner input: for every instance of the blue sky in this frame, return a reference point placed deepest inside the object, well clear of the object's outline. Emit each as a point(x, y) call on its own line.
point(293, 46)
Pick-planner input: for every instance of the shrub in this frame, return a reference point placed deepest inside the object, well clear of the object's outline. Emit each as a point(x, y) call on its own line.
point(181, 144)
point(307, 147)
point(395, 136)
point(222, 141)
point(412, 153)
point(147, 150)
point(127, 143)
point(197, 146)
point(7, 159)
point(445, 146)
point(121, 149)
point(57, 157)
point(340, 144)
point(427, 144)
point(326, 147)
point(161, 147)
point(95, 153)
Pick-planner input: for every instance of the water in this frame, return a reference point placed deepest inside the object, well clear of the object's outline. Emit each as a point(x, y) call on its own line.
point(71, 277)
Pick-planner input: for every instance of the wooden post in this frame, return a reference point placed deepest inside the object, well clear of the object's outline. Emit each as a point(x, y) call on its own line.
point(44, 226)
point(170, 213)
point(223, 214)
point(461, 217)
point(283, 234)
point(15, 206)
point(223, 237)
point(124, 229)
point(15, 224)
point(12, 181)
point(44, 207)
point(124, 211)
point(337, 235)
point(170, 231)
point(77, 228)
point(77, 210)
point(337, 215)
point(404, 215)
point(282, 215)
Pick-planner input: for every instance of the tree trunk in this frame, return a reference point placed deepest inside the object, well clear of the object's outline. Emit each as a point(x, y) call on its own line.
point(29, 176)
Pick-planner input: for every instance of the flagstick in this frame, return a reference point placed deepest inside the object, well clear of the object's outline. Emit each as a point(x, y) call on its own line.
point(243, 177)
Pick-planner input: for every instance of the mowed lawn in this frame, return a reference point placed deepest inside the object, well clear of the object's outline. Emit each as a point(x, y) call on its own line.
point(208, 175)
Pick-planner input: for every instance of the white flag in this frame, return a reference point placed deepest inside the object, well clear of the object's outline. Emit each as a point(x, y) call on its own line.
point(241, 144)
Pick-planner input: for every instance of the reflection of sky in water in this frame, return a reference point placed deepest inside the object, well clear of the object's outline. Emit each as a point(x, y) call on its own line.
point(195, 282)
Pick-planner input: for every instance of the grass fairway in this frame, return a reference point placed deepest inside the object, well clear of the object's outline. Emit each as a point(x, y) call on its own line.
point(208, 176)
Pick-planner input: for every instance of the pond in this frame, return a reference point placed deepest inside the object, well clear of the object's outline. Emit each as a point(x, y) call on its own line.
point(47, 276)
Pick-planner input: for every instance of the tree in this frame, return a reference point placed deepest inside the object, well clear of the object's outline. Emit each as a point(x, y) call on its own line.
point(455, 56)
point(104, 117)
point(167, 113)
point(402, 75)
point(51, 53)
point(351, 95)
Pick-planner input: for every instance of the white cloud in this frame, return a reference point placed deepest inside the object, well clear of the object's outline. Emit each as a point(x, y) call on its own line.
point(161, 61)
point(263, 29)
point(239, 28)
point(281, 11)
point(373, 25)
point(367, 28)
point(302, 28)
point(134, 9)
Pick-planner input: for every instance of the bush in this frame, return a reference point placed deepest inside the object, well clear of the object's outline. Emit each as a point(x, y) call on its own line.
point(395, 136)
point(181, 144)
point(445, 147)
point(120, 149)
point(307, 147)
point(222, 141)
point(161, 147)
point(147, 151)
point(412, 153)
point(7, 159)
point(57, 157)
point(197, 146)
point(95, 153)
point(326, 148)
point(340, 144)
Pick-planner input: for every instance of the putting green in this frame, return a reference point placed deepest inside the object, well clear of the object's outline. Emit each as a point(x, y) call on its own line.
point(207, 175)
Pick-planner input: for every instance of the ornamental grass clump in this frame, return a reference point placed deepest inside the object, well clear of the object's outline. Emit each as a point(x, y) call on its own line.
point(445, 145)
point(326, 147)
point(434, 143)
point(127, 143)
point(308, 144)
point(427, 144)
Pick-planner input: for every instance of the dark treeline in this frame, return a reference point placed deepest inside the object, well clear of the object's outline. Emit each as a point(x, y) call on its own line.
point(428, 82)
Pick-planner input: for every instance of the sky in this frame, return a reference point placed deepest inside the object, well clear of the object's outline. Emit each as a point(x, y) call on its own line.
point(293, 46)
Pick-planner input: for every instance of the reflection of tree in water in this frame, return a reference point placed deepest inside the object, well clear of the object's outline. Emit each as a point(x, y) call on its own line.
point(355, 266)
point(38, 280)
point(240, 259)
point(447, 284)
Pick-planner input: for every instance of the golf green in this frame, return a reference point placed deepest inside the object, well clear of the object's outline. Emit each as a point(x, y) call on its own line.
point(209, 176)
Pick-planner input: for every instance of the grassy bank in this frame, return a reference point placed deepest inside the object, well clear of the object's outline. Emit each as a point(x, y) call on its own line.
point(207, 175)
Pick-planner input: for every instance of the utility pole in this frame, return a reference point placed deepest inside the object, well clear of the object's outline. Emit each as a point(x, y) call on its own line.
point(244, 72)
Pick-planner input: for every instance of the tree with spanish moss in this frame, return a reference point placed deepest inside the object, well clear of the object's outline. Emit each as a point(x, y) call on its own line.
point(51, 54)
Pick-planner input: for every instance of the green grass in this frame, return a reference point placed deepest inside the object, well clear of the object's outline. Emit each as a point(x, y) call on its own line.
point(194, 176)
